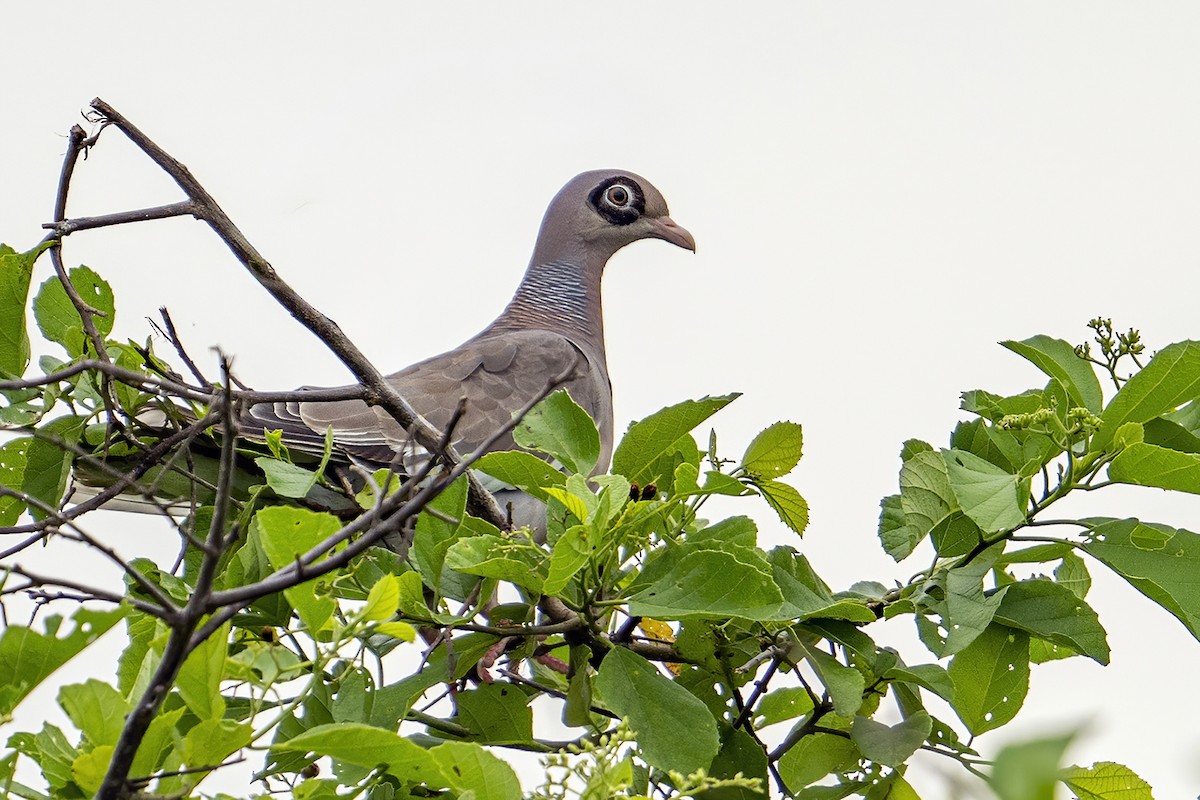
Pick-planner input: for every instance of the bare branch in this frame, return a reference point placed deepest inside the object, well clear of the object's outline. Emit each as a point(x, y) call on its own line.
point(65, 227)
point(76, 144)
point(199, 394)
point(167, 605)
point(380, 392)
point(173, 336)
point(90, 592)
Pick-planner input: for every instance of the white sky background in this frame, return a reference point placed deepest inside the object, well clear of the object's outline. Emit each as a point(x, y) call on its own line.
point(880, 193)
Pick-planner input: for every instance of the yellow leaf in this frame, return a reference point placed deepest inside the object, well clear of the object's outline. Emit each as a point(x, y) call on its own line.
point(397, 630)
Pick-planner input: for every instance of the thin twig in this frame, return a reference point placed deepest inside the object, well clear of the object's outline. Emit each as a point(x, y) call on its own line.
point(167, 605)
point(86, 312)
point(65, 227)
point(199, 394)
point(173, 337)
point(93, 593)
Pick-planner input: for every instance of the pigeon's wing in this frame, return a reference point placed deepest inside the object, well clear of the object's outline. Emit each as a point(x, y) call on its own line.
point(497, 376)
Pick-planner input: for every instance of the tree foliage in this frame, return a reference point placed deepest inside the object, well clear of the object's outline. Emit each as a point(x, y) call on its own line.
point(390, 639)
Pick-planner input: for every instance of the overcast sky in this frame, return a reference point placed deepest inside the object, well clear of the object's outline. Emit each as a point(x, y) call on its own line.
point(879, 191)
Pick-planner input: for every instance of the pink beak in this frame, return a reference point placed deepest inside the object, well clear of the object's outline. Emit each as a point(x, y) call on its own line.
point(666, 229)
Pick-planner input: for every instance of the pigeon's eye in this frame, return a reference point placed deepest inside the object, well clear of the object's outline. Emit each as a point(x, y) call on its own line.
point(619, 195)
point(619, 200)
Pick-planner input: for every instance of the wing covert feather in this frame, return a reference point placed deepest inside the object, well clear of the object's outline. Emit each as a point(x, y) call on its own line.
point(496, 374)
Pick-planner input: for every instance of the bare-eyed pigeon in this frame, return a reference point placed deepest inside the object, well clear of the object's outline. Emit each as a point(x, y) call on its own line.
point(553, 323)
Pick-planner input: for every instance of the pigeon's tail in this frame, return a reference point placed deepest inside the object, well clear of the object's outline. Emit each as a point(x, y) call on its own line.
point(82, 492)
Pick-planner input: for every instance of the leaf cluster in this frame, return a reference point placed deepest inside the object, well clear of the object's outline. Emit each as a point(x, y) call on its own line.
point(375, 638)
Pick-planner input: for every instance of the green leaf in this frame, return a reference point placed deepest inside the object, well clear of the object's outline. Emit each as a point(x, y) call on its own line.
point(774, 452)
point(719, 483)
point(928, 506)
point(434, 534)
point(926, 498)
point(844, 684)
point(525, 471)
point(475, 772)
point(286, 479)
point(897, 538)
point(782, 704)
point(368, 746)
point(851, 638)
point(577, 710)
point(211, 741)
point(397, 630)
point(385, 480)
point(956, 535)
point(787, 502)
point(1170, 379)
point(497, 713)
point(1149, 465)
point(54, 754)
point(287, 533)
point(729, 582)
point(96, 709)
point(657, 434)
point(158, 743)
point(500, 557)
point(57, 317)
point(411, 599)
point(967, 610)
point(992, 498)
point(737, 531)
point(991, 678)
point(928, 676)
point(1073, 574)
point(1029, 770)
point(28, 657)
point(383, 600)
point(613, 495)
point(1057, 359)
point(558, 427)
point(1159, 561)
point(13, 456)
point(658, 709)
point(48, 463)
point(570, 554)
point(994, 407)
point(890, 744)
point(199, 680)
point(16, 272)
point(805, 597)
point(814, 757)
point(1167, 433)
point(912, 447)
point(1052, 612)
point(1106, 780)
point(740, 756)
point(989, 442)
point(89, 769)
point(571, 501)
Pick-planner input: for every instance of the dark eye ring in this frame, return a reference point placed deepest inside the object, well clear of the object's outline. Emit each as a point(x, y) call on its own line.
point(619, 196)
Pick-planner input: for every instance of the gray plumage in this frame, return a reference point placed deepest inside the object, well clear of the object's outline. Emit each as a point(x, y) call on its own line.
point(552, 324)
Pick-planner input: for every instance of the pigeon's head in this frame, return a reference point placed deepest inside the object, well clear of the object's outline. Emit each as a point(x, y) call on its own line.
point(599, 212)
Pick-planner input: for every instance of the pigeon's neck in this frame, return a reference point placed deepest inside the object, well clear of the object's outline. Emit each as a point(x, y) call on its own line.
point(558, 296)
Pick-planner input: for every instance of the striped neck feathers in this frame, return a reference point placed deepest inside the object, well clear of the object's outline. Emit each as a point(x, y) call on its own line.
point(557, 296)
